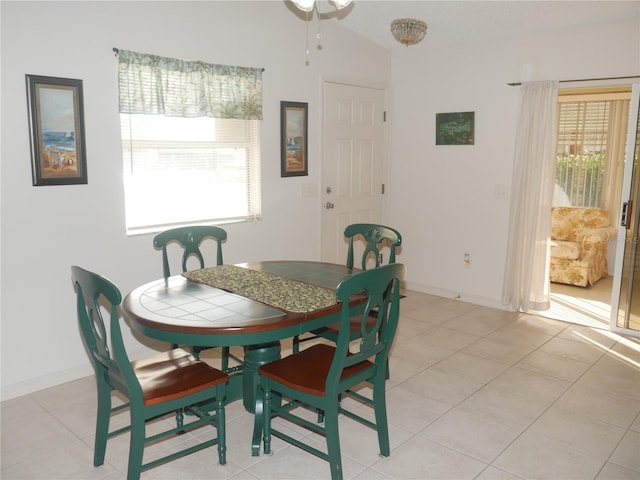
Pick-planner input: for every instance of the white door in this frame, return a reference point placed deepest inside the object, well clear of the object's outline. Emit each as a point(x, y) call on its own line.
point(352, 162)
point(625, 298)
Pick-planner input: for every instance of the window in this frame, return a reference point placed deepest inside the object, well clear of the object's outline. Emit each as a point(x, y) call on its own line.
point(188, 158)
point(590, 149)
point(189, 170)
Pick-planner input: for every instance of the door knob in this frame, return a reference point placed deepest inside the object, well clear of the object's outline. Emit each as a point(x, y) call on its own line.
point(329, 205)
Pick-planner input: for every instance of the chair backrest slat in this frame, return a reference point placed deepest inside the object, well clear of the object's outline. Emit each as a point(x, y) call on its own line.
point(96, 294)
point(374, 236)
point(189, 238)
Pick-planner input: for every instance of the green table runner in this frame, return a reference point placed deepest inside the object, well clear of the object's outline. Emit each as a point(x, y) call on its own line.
point(273, 290)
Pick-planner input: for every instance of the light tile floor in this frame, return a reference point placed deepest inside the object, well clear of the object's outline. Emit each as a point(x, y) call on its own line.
point(475, 393)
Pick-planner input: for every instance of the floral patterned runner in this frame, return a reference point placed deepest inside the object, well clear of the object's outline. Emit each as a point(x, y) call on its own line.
point(279, 292)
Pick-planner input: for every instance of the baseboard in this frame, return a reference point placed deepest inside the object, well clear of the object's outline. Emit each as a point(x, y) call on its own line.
point(47, 381)
point(58, 378)
point(455, 295)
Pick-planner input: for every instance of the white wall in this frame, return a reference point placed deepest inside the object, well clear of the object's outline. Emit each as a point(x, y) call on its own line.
point(452, 188)
point(47, 229)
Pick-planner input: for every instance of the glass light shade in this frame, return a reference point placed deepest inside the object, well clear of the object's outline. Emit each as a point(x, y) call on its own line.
point(308, 5)
point(340, 4)
point(408, 31)
point(304, 5)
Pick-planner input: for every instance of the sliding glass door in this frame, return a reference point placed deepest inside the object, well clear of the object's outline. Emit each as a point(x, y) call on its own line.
point(625, 299)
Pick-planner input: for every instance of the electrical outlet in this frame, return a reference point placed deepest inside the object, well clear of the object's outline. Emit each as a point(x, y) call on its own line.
point(467, 259)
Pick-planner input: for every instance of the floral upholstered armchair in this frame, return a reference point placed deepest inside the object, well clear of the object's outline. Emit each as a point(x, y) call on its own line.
point(579, 241)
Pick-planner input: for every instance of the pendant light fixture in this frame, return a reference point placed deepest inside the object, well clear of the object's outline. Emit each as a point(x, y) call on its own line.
point(408, 31)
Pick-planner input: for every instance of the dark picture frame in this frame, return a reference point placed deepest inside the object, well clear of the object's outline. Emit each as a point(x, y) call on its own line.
point(293, 140)
point(456, 128)
point(56, 130)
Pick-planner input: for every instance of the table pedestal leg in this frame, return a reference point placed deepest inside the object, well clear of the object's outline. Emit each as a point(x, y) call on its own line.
point(254, 357)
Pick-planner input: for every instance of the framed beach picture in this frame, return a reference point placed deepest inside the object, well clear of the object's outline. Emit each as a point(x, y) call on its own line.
point(455, 128)
point(293, 141)
point(56, 130)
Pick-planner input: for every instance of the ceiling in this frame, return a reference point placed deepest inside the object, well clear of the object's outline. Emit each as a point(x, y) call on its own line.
point(455, 21)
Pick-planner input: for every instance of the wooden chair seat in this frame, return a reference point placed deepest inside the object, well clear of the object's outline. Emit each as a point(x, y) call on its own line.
point(174, 374)
point(308, 370)
point(333, 329)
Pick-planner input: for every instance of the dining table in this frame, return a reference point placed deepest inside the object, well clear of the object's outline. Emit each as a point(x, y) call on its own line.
point(254, 305)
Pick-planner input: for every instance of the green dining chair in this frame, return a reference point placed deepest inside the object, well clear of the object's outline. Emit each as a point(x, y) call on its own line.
point(167, 382)
point(190, 240)
point(374, 238)
point(319, 376)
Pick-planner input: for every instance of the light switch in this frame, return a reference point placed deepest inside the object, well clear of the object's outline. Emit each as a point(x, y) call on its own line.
point(308, 189)
point(500, 192)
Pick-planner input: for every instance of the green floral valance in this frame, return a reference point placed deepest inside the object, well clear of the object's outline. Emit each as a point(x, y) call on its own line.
point(154, 85)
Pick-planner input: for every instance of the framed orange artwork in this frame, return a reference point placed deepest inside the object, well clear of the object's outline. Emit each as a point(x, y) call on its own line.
point(294, 148)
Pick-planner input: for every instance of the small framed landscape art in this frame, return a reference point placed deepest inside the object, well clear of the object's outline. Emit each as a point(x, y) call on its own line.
point(293, 141)
point(56, 130)
point(455, 128)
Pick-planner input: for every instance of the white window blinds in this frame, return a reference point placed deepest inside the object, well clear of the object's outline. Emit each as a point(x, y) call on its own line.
point(588, 165)
point(182, 171)
point(582, 135)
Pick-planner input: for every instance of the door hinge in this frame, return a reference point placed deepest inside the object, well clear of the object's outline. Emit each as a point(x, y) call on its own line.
point(384, 116)
point(383, 189)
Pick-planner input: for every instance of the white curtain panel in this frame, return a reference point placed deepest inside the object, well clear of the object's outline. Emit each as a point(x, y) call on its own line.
point(615, 148)
point(526, 278)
